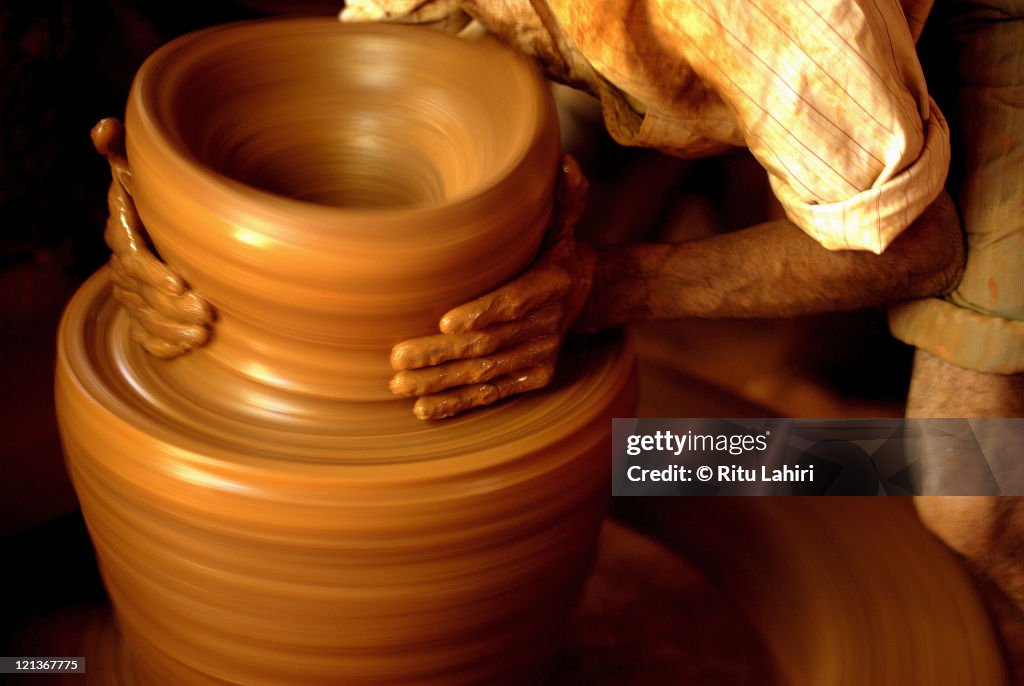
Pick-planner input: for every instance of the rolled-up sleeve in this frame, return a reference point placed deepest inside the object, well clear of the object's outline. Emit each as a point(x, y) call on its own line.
point(828, 95)
point(832, 101)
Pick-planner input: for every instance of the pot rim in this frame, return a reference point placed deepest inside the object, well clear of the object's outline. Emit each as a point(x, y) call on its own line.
point(178, 160)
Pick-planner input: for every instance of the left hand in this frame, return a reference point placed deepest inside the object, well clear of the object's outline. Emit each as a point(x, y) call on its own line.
point(506, 342)
point(167, 317)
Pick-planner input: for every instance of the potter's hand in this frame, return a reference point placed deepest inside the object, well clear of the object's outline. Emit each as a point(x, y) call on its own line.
point(507, 341)
point(167, 318)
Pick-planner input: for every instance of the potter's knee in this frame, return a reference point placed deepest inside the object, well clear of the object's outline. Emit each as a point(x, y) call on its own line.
point(942, 389)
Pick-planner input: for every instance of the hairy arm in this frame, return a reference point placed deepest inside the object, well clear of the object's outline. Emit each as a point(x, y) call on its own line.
point(772, 270)
point(507, 341)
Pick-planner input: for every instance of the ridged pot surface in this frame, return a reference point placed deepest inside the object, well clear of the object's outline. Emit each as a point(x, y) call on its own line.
point(333, 189)
point(352, 543)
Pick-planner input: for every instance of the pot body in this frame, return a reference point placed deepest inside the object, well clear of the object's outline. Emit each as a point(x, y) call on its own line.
point(353, 544)
point(332, 190)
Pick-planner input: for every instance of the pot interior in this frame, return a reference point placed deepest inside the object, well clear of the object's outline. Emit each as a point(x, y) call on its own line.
point(361, 117)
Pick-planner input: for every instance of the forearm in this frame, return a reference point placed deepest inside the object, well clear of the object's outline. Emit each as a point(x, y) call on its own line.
point(772, 270)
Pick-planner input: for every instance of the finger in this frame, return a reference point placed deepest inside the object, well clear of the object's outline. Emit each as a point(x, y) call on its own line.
point(570, 201)
point(118, 231)
point(531, 291)
point(144, 267)
point(187, 308)
point(155, 346)
point(120, 277)
point(108, 137)
point(441, 405)
point(475, 370)
point(432, 350)
point(158, 326)
point(157, 323)
point(123, 221)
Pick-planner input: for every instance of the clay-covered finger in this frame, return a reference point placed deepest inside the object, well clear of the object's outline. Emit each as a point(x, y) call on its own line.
point(158, 326)
point(127, 289)
point(187, 308)
point(534, 289)
point(120, 276)
point(190, 335)
point(117, 235)
point(475, 370)
point(108, 137)
point(145, 267)
point(120, 232)
point(570, 196)
point(432, 350)
point(156, 346)
point(127, 272)
point(450, 403)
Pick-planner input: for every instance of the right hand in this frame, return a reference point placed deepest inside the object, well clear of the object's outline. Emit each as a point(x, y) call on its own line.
point(505, 342)
point(167, 318)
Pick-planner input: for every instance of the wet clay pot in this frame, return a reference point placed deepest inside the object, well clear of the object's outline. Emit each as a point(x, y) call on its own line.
point(332, 190)
point(259, 516)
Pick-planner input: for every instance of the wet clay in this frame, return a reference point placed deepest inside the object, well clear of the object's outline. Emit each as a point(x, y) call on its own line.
point(168, 318)
point(259, 515)
point(268, 538)
point(334, 190)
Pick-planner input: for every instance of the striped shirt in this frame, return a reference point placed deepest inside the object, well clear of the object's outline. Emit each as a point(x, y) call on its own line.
point(828, 95)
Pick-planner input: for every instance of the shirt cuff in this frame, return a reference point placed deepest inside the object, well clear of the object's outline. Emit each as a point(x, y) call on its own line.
point(872, 219)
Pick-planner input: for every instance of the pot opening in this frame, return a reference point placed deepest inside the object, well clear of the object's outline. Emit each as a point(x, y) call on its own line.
point(355, 173)
point(347, 119)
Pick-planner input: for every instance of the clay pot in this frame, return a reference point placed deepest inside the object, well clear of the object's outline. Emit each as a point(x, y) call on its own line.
point(332, 190)
point(251, 526)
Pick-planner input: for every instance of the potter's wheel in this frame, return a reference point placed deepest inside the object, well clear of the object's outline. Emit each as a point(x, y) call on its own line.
point(844, 591)
point(649, 616)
